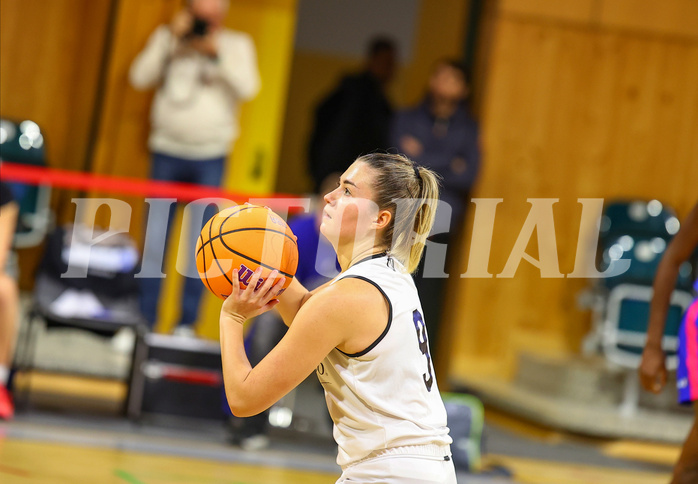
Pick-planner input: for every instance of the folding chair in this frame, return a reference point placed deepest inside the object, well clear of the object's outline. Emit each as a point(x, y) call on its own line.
point(111, 295)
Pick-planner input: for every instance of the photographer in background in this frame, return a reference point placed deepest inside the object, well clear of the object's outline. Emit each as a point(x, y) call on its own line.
point(202, 72)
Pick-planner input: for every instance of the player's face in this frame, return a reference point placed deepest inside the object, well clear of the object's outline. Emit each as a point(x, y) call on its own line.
point(350, 211)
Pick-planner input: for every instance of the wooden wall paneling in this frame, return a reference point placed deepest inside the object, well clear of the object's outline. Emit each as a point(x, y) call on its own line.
point(560, 10)
point(49, 68)
point(50, 55)
point(672, 17)
point(569, 113)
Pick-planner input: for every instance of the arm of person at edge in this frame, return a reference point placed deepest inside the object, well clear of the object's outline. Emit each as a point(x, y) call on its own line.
point(321, 324)
point(8, 222)
point(148, 68)
point(653, 373)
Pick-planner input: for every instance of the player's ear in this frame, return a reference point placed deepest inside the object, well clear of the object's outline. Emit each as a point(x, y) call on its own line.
point(383, 219)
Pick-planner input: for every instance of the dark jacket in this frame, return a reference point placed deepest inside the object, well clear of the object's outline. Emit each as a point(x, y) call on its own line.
point(454, 138)
point(352, 120)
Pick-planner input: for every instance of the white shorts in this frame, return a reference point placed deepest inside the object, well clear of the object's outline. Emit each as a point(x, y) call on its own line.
point(428, 464)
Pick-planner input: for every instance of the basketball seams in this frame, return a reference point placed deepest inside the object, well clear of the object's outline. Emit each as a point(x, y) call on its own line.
point(213, 252)
point(221, 234)
point(253, 260)
point(260, 221)
point(201, 239)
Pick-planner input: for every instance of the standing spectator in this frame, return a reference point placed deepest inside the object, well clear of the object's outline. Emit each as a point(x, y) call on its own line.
point(441, 135)
point(653, 374)
point(9, 299)
point(202, 72)
point(354, 119)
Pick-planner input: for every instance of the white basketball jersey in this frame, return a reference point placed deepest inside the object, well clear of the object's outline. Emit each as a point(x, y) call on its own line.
point(385, 396)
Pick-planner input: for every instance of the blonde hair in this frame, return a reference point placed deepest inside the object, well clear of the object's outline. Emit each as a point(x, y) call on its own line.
point(416, 188)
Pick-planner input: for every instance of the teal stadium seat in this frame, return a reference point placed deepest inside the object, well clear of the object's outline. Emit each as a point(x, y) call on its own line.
point(638, 217)
point(644, 253)
point(23, 142)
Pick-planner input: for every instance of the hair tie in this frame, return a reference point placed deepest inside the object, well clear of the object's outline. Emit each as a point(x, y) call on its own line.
point(416, 172)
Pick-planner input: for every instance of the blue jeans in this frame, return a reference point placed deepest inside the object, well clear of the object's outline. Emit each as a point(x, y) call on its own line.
point(201, 172)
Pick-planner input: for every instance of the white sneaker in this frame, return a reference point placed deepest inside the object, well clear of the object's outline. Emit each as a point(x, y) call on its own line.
point(184, 331)
point(124, 340)
point(256, 442)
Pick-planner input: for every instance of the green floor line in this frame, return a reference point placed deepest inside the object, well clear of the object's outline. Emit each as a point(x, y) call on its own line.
point(130, 478)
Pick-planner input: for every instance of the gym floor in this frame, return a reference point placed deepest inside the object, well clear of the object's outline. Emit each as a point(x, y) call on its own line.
point(69, 429)
point(69, 432)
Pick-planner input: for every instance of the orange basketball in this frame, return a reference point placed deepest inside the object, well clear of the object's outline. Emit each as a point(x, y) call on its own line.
point(244, 237)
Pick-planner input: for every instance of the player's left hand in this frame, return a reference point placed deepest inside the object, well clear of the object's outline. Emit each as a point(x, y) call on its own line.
point(242, 305)
point(653, 374)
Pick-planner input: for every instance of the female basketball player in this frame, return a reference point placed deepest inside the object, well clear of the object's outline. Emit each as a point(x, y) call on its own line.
point(653, 374)
point(363, 332)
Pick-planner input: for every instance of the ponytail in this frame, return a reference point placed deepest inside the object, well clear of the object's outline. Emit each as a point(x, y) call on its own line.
point(410, 192)
point(425, 214)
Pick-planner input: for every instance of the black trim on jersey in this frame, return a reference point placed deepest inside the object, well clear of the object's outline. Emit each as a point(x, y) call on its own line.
point(371, 257)
point(390, 315)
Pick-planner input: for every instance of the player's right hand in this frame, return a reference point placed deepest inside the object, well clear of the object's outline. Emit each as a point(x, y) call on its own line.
point(181, 23)
point(653, 374)
point(244, 304)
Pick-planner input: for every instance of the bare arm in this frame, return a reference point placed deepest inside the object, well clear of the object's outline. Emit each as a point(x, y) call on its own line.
point(295, 296)
point(652, 370)
point(323, 323)
point(8, 222)
point(679, 250)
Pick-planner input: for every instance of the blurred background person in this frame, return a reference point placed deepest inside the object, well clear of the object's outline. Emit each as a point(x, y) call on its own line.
point(202, 72)
point(354, 119)
point(441, 134)
point(9, 298)
point(653, 372)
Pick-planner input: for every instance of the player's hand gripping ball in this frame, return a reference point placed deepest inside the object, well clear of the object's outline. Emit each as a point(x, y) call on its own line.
point(244, 237)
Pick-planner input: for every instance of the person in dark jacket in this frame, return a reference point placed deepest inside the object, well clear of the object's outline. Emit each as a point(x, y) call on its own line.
point(441, 134)
point(354, 119)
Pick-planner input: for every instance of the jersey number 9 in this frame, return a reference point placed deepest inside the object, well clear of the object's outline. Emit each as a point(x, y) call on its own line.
point(423, 346)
